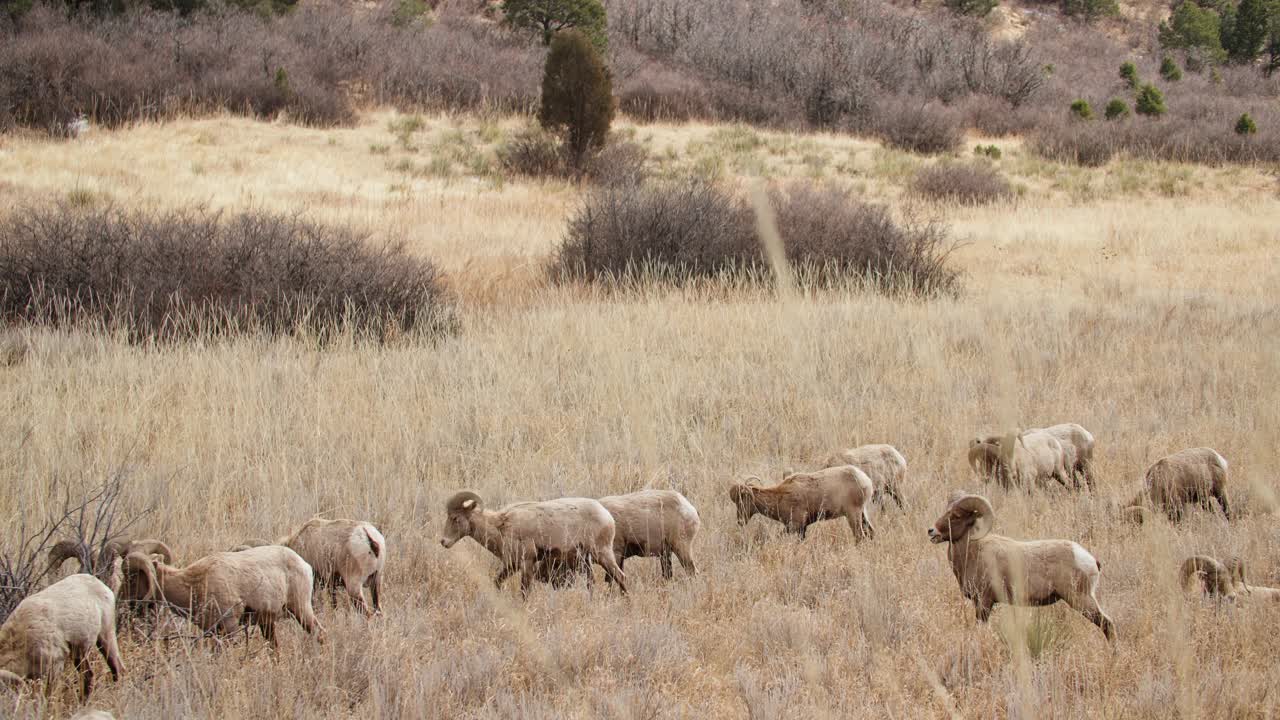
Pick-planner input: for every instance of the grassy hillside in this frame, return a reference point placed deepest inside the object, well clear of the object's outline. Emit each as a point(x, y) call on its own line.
point(1137, 299)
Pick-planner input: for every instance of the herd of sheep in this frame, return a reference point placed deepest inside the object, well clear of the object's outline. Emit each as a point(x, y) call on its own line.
point(261, 582)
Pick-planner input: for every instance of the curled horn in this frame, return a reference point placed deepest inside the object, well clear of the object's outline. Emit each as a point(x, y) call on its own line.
point(152, 547)
point(64, 550)
point(463, 501)
point(140, 562)
point(980, 507)
point(753, 481)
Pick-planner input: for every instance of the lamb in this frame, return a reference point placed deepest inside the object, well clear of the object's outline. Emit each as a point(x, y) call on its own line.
point(343, 552)
point(222, 591)
point(995, 569)
point(649, 523)
point(65, 620)
point(886, 467)
point(522, 534)
point(1019, 458)
point(1190, 476)
point(802, 499)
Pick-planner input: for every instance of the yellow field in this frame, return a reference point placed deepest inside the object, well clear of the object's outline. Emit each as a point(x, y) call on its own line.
point(1137, 300)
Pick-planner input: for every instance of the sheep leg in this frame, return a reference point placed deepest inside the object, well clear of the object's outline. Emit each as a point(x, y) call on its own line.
point(85, 668)
point(664, 560)
point(893, 493)
point(610, 564)
point(502, 575)
point(267, 624)
point(1086, 470)
point(375, 590)
point(527, 568)
point(355, 591)
point(982, 610)
point(686, 559)
point(1088, 606)
point(1221, 496)
point(111, 653)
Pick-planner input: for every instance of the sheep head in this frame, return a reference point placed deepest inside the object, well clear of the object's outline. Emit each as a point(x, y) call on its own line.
point(983, 456)
point(1235, 566)
point(148, 547)
point(459, 511)
point(139, 581)
point(967, 517)
point(743, 496)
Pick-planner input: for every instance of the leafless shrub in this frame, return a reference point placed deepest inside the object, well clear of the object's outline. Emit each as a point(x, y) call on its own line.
point(532, 152)
point(620, 162)
point(174, 274)
point(679, 230)
point(919, 128)
point(90, 517)
point(974, 183)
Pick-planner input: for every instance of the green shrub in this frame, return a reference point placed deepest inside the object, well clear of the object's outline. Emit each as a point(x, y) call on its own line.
point(973, 8)
point(1193, 28)
point(1169, 69)
point(1245, 36)
point(577, 96)
point(1129, 73)
point(548, 17)
point(1150, 101)
point(406, 11)
point(1081, 109)
point(1090, 9)
point(1245, 125)
point(990, 151)
point(1117, 109)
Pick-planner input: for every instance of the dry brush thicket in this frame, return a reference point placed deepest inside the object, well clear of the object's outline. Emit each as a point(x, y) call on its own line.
point(1149, 320)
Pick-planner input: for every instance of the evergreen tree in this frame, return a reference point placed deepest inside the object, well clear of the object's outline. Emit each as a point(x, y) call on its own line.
point(577, 96)
point(547, 17)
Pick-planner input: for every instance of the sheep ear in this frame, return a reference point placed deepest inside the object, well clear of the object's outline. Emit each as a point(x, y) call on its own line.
point(981, 525)
point(468, 505)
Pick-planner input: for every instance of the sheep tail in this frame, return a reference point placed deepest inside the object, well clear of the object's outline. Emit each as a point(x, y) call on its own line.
point(373, 544)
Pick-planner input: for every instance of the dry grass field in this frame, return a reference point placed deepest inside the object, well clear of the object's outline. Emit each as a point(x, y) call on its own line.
point(1138, 299)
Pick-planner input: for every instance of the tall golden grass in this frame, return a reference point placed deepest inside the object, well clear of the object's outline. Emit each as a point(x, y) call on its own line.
point(1150, 319)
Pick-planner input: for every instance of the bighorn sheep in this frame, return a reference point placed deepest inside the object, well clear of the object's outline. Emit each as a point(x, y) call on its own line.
point(522, 534)
point(1215, 578)
point(1189, 476)
point(995, 569)
point(802, 499)
point(347, 553)
point(219, 592)
point(1224, 581)
point(65, 620)
point(343, 552)
point(1077, 447)
point(1241, 583)
point(1022, 458)
point(64, 550)
point(886, 467)
point(649, 523)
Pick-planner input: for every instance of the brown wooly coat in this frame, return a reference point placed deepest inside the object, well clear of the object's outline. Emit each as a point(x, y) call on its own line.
point(1189, 476)
point(222, 591)
point(649, 523)
point(1022, 458)
point(802, 499)
point(343, 552)
point(886, 467)
point(522, 534)
point(995, 569)
point(64, 621)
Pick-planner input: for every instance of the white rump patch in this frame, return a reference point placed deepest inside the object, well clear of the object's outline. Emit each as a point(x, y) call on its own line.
point(1086, 562)
point(1221, 460)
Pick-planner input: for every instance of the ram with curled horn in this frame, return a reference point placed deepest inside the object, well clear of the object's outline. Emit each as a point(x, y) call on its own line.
point(995, 569)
